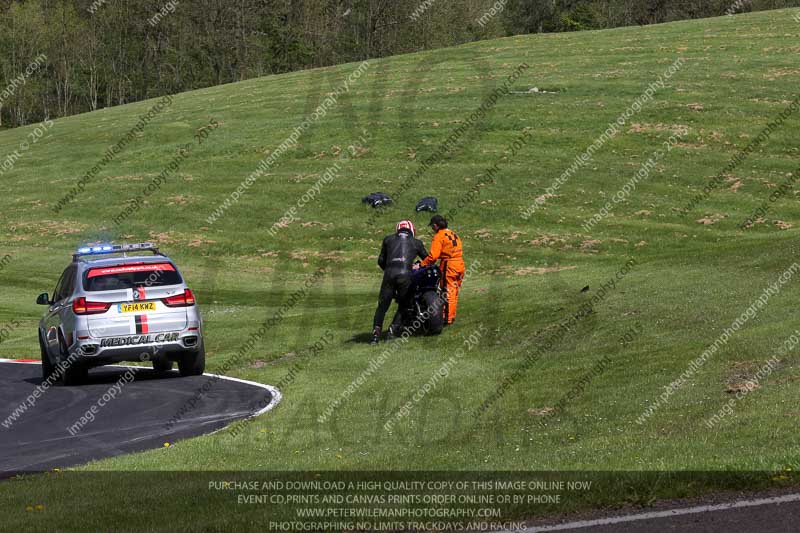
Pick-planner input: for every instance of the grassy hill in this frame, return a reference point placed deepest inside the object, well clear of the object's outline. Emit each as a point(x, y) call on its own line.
point(692, 273)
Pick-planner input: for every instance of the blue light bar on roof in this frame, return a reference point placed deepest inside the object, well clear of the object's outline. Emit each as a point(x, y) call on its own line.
point(116, 248)
point(136, 246)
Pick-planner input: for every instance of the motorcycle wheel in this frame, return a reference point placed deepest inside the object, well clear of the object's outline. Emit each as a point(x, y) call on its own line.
point(435, 308)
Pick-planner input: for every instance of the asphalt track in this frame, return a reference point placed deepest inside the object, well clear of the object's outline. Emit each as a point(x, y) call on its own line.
point(141, 416)
point(768, 514)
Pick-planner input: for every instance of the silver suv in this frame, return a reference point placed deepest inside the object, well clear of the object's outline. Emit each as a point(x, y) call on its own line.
point(114, 304)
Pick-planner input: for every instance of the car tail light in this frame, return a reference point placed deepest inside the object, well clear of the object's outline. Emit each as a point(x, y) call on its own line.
point(185, 299)
point(80, 306)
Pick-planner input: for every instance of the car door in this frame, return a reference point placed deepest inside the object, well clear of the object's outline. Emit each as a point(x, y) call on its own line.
point(66, 316)
point(60, 299)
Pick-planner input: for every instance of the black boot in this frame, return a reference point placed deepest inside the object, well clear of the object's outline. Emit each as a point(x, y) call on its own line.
point(376, 336)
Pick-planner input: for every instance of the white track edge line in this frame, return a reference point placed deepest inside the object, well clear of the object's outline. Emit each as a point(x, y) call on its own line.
point(663, 514)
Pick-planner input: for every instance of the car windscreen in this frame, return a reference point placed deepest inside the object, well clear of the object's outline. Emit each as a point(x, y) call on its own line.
point(130, 276)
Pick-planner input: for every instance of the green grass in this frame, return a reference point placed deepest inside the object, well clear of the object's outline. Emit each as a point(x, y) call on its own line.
point(691, 280)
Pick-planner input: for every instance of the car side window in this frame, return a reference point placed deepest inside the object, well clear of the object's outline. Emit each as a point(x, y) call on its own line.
point(69, 283)
point(58, 292)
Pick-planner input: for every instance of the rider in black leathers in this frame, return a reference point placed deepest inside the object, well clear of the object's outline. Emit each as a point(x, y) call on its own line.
point(398, 253)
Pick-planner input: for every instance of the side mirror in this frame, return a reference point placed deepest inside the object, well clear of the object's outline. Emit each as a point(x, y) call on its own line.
point(43, 299)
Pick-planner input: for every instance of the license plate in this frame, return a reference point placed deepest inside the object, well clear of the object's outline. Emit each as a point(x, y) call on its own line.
point(137, 307)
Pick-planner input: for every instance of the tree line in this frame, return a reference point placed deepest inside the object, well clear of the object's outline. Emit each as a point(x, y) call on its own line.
point(62, 57)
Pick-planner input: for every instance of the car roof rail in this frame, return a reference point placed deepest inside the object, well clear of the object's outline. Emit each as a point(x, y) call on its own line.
point(106, 249)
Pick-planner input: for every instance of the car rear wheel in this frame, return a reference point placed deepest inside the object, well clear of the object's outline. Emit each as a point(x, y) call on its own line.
point(47, 364)
point(74, 373)
point(193, 363)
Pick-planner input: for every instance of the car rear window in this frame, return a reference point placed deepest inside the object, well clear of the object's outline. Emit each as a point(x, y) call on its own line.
point(130, 275)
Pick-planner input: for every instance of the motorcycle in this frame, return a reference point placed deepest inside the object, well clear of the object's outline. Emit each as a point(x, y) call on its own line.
point(427, 303)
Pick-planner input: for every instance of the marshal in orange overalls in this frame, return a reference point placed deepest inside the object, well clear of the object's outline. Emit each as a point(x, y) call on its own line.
point(446, 245)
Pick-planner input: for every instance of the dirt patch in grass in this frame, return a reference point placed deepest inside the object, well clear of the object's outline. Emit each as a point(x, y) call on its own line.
point(197, 242)
point(741, 376)
point(710, 220)
point(168, 237)
point(741, 386)
point(314, 223)
point(736, 183)
point(788, 379)
point(781, 73)
point(51, 227)
point(258, 363)
point(164, 237)
point(124, 178)
point(543, 198)
point(538, 271)
point(336, 256)
point(547, 240)
point(756, 221)
point(590, 245)
point(692, 146)
point(179, 199)
point(297, 178)
point(541, 411)
point(650, 128)
point(770, 101)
